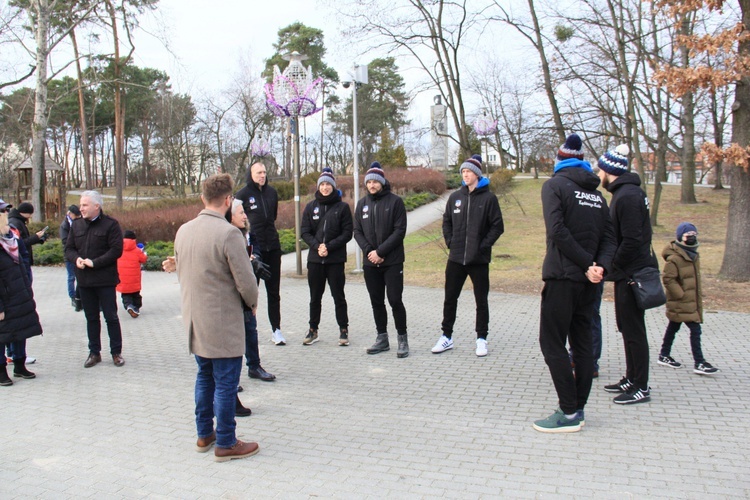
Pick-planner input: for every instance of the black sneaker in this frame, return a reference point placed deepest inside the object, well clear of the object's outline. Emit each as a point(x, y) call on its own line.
point(311, 337)
point(344, 337)
point(705, 368)
point(634, 396)
point(623, 385)
point(669, 361)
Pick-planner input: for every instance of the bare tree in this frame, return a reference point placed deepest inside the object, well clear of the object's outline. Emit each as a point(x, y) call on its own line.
point(734, 42)
point(432, 34)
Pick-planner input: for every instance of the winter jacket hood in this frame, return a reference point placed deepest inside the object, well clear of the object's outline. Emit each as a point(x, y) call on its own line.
point(573, 162)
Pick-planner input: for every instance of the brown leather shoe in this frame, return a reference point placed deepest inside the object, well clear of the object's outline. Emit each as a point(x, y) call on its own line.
point(239, 450)
point(117, 360)
point(205, 444)
point(92, 360)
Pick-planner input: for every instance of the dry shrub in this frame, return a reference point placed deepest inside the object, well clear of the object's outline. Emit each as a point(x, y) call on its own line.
point(417, 180)
point(158, 223)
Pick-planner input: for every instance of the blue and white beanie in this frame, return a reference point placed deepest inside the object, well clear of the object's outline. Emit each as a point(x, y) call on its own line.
point(615, 162)
point(327, 176)
point(375, 173)
point(573, 148)
point(474, 164)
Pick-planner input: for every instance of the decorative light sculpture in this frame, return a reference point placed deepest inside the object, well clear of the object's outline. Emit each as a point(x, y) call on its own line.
point(485, 127)
point(292, 94)
point(260, 148)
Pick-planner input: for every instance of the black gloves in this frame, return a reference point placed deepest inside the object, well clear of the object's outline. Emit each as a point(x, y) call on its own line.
point(261, 270)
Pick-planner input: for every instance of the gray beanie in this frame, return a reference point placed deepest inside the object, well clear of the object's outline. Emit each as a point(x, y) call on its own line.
point(327, 176)
point(375, 173)
point(474, 164)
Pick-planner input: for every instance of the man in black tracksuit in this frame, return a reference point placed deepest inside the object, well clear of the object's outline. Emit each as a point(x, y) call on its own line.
point(380, 228)
point(327, 228)
point(261, 202)
point(472, 223)
point(94, 244)
point(629, 209)
point(580, 246)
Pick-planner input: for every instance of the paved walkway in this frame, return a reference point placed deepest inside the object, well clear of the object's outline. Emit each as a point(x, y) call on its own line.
point(338, 423)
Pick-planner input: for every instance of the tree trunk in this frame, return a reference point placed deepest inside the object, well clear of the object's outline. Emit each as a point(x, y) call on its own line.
point(82, 113)
point(119, 111)
point(736, 263)
point(41, 10)
point(688, 149)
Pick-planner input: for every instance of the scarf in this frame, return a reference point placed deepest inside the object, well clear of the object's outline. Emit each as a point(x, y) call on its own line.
point(10, 245)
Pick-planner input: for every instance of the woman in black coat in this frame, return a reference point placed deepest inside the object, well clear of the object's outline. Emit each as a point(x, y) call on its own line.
point(18, 317)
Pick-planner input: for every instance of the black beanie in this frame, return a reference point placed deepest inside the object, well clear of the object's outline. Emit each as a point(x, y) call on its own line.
point(25, 208)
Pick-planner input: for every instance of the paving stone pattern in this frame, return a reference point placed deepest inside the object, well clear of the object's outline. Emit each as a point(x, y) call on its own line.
point(339, 423)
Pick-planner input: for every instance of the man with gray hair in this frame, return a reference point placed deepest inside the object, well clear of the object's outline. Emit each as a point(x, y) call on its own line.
point(94, 244)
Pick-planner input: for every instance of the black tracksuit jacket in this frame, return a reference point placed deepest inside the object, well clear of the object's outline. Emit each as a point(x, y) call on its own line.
point(629, 210)
point(579, 229)
point(261, 204)
point(380, 225)
point(327, 220)
point(472, 223)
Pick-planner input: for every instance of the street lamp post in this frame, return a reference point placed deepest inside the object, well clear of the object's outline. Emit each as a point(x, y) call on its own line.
point(292, 94)
point(359, 77)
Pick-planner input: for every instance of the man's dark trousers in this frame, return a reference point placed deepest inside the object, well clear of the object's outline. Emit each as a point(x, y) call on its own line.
point(566, 315)
point(102, 298)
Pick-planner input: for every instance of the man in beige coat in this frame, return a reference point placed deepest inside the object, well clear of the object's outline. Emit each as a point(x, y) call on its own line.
point(216, 277)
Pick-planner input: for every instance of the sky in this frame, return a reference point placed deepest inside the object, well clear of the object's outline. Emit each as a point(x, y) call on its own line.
point(207, 38)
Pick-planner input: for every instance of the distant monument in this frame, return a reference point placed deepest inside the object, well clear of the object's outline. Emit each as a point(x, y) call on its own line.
point(438, 135)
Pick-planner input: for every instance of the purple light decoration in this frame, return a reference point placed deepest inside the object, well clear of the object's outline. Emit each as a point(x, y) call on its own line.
point(293, 92)
point(260, 148)
point(485, 127)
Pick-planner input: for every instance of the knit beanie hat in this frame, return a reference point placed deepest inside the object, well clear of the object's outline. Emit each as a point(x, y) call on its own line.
point(327, 176)
point(474, 164)
point(615, 162)
point(128, 235)
point(375, 173)
point(573, 148)
point(26, 208)
point(685, 227)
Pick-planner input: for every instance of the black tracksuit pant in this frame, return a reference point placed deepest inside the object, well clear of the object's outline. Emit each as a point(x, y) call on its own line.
point(317, 276)
point(381, 280)
point(632, 324)
point(273, 285)
point(566, 315)
point(455, 277)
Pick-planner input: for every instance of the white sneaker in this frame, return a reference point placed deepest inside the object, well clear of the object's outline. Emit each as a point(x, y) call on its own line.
point(443, 344)
point(481, 347)
point(30, 360)
point(277, 338)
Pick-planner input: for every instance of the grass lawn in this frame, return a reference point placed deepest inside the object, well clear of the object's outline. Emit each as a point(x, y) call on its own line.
point(517, 256)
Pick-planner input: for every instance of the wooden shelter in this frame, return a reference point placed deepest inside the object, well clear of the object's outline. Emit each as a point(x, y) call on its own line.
point(54, 186)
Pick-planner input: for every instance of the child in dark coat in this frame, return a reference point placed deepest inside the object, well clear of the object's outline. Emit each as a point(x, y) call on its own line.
point(129, 269)
point(682, 282)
